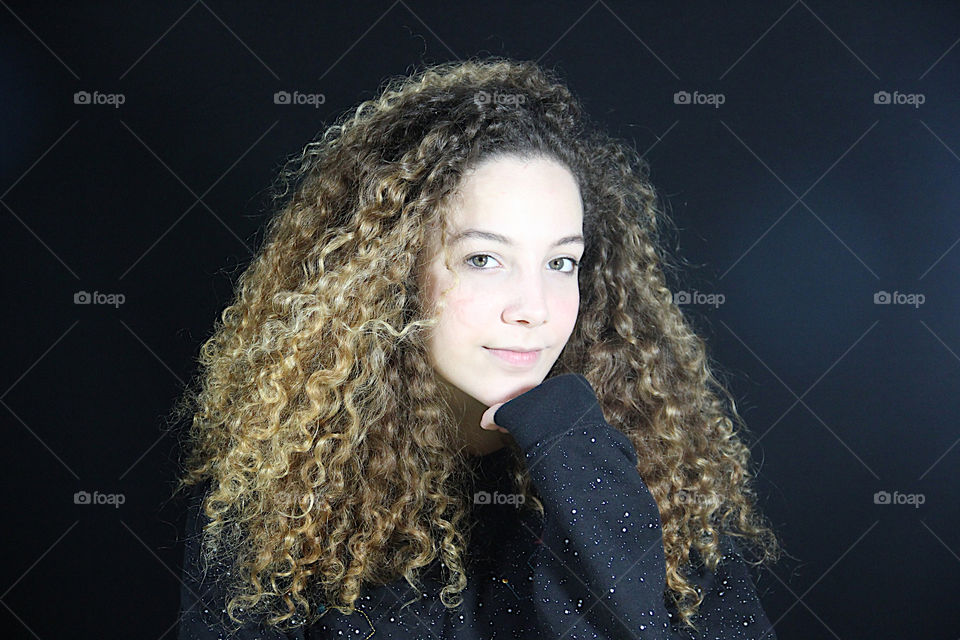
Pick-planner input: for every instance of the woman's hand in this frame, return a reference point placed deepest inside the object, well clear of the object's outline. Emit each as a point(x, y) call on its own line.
point(486, 420)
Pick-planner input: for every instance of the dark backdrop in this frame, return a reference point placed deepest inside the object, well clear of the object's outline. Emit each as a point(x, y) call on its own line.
point(803, 197)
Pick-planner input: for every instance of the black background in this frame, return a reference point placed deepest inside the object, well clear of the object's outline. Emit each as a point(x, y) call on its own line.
point(798, 199)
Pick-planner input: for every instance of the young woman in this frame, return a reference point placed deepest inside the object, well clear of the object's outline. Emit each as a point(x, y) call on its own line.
point(453, 397)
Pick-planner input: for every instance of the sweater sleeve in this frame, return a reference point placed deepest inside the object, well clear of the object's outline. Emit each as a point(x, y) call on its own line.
point(202, 594)
point(601, 569)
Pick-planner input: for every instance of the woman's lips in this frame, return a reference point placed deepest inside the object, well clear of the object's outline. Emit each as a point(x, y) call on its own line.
point(522, 359)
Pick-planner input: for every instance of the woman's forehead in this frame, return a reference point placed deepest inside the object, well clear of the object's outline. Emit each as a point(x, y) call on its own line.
point(518, 195)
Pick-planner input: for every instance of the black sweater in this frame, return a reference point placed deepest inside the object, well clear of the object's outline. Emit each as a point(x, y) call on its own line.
point(594, 567)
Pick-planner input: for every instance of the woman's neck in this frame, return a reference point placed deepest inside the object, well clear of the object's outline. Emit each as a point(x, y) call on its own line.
point(475, 440)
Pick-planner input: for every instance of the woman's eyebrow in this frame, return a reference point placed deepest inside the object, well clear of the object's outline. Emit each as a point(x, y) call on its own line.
point(496, 237)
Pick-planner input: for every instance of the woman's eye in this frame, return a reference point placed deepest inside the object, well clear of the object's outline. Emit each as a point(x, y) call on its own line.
point(486, 257)
point(479, 255)
point(573, 263)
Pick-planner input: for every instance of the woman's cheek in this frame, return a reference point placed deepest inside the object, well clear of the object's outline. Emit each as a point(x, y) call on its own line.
point(468, 309)
point(569, 308)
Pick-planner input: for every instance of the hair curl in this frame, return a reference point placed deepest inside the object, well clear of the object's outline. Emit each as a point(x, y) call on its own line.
point(316, 417)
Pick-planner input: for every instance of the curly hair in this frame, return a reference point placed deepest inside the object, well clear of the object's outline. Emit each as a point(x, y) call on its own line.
point(320, 426)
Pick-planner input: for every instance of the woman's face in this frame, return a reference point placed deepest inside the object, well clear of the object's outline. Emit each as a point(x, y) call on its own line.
point(517, 290)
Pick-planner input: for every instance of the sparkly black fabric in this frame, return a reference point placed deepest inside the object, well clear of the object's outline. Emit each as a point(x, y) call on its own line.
point(594, 567)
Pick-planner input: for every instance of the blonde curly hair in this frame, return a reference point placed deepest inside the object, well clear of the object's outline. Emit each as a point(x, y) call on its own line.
point(317, 421)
